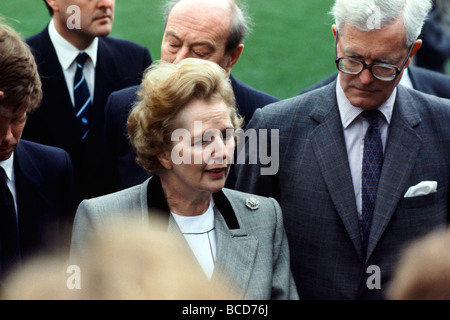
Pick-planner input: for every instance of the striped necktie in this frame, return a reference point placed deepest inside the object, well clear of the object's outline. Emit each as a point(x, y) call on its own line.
point(371, 172)
point(81, 95)
point(9, 233)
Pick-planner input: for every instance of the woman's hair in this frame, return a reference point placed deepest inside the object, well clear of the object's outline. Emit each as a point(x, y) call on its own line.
point(240, 26)
point(166, 88)
point(19, 77)
point(367, 15)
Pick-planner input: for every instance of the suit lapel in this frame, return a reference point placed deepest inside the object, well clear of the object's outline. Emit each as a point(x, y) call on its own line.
point(401, 151)
point(328, 143)
point(236, 252)
point(33, 205)
point(106, 77)
point(59, 113)
point(107, 80)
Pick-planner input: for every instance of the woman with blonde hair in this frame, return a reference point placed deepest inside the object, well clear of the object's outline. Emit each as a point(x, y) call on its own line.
point(182, 129)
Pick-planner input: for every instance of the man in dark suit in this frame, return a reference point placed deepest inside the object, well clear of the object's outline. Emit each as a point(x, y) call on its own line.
point(435, 52)
point(425, 80)
point(36, 181)
point(107, 68)
point(363, 162)
point(213, 39)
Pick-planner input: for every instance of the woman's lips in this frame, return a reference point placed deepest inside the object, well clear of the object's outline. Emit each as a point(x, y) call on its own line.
point(217, 172)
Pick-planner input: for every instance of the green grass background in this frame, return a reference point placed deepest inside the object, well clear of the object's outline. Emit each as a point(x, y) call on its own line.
point(290, 48)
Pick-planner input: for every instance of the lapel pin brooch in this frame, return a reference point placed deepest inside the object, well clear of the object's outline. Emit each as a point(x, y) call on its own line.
point(252, 203)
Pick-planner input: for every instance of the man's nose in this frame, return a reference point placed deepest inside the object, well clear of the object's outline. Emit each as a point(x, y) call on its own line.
point(5, 134)
point(182, 54)
point(366, 76)
point(105, 3)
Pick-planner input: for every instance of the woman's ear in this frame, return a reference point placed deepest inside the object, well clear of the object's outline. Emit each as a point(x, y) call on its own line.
point(165, 160)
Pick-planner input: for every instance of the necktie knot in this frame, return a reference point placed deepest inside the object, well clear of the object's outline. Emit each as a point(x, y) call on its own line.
point(372, 117)
point(81, 59)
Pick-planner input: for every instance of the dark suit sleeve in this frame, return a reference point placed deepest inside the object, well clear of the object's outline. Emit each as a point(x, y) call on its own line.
point(435, 49)
point(250, 176)
point(45, 196)
point(116, 113)
point(147, 59)
point(429, 81)
point(249, 99)
point(120, 168)
point(69, 202)
point(60, 168)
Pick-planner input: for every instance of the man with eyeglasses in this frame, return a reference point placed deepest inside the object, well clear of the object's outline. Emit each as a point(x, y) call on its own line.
point(416, 75)
point(364, 163)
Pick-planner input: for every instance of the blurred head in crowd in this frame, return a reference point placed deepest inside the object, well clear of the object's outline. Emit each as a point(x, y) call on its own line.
point(423, 272)
point(125, 261)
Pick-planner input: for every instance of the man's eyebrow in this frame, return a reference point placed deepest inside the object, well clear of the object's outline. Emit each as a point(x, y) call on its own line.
point(210, 47)
point(351, 53)
point(195, 44)
point(173, 34)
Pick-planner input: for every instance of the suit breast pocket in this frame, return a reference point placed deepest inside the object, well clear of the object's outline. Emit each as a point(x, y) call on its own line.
point(426, 200)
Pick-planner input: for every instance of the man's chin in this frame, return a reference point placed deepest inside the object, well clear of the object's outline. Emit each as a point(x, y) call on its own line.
point(5, 156)
point(363, 103)
point(103, 29)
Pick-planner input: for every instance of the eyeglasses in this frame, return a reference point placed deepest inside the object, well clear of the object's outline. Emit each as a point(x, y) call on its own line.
point(381, 71)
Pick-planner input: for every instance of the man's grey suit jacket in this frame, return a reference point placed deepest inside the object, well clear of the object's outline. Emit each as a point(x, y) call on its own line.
point(252, 246)
point(315, 190)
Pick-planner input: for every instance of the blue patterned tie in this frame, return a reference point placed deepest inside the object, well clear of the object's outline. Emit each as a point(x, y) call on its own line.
point(371, 171)
point(9, 237)
point(82, 96)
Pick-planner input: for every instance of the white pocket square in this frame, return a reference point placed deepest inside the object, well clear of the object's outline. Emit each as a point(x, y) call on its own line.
point(421, 189)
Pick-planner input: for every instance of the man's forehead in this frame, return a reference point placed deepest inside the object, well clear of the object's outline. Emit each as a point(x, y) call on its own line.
point(198, 26)
point(8, 110)
point(202, 11)
point(204, 4)
point(392, 32)
point(7, 113)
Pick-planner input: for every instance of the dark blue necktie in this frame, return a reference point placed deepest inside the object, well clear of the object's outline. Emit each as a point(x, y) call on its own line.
point(82, 96)
point(371, 171)
point(9, 237)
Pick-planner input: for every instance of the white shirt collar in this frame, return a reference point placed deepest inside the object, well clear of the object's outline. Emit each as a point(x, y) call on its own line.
point(349, 112)
point(196, 224)
point(7, 165)
point(66, 52)
point(406, 79)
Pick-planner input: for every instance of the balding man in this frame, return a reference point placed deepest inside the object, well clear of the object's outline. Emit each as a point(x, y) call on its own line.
point(211, 30)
